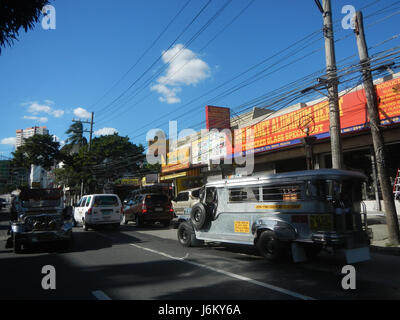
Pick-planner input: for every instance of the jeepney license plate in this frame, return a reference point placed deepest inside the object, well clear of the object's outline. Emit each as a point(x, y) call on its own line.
point(322, 222)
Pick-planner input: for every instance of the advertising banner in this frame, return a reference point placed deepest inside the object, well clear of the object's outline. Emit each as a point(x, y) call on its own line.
point(176, 160)
point(289, 128)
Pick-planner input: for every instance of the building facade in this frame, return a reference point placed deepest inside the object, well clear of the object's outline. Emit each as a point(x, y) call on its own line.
point(278, 141)
point(22, 134)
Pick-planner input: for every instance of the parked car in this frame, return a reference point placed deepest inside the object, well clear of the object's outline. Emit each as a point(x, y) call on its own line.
point(148, 207)
point(98, 209)
point(186, 199)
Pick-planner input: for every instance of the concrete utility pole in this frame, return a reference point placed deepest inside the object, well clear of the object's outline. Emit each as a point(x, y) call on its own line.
point(91, 131)
point(334, 116)
point(377, 137)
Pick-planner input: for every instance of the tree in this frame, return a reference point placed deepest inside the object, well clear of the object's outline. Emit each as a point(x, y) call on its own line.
point(16, 14)
point(110, 157)
point(40, 150)
point(75, 132)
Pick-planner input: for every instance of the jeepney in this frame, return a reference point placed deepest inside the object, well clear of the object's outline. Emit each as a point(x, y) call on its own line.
point(299, 212)
point(42, 217)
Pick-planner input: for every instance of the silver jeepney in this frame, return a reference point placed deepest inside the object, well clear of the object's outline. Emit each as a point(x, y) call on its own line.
point(299, 212)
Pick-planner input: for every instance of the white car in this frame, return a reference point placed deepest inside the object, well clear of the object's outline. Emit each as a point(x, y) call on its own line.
point(98, 209)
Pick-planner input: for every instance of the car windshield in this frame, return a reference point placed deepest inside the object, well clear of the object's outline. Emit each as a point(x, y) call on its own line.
point(105, 201)
point(34, 198)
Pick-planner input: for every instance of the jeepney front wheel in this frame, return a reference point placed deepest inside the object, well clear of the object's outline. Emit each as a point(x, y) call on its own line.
point(186, 236)
point(271, 248)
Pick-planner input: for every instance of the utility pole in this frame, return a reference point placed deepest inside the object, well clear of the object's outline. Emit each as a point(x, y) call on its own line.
point(90, 140)
point(334, 116)
point(377, 137)
point(91, 127)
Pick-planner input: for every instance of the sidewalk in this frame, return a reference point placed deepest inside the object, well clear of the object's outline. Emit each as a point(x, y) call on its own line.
point(380, 243)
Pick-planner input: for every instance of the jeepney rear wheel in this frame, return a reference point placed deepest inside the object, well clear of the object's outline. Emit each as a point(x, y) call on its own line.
point(186, 236)
point(271, 248)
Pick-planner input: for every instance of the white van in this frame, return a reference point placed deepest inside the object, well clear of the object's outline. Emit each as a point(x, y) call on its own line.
point(98, 209)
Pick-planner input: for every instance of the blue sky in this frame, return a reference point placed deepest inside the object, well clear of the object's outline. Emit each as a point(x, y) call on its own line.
point(49, 77)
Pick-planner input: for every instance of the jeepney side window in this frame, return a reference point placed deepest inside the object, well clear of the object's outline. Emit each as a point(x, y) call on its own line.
point(282, 193)
point(248, 194)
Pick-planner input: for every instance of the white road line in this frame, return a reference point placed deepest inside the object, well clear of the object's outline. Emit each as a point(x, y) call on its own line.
point(229, 274)
point(100, 295)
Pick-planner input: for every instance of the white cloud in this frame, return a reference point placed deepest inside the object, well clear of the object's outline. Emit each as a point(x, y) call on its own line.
point(185, 69)
point(36, 108)
point(168, 95)
point(10, 141)
point(105, 132)
point(82, 113)
point(38, 119)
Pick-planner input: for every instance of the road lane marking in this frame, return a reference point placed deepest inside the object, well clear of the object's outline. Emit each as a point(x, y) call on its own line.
point(100, 295)
point(229, 274)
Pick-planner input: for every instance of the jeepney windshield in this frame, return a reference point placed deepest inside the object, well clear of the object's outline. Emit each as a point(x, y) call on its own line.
point(36, 198)
point(339, 192)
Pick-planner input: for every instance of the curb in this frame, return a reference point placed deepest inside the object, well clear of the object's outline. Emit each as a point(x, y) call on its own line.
point(392, 251)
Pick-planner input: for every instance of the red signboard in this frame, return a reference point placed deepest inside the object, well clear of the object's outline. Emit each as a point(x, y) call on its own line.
point(218, 117)
point(287, 129)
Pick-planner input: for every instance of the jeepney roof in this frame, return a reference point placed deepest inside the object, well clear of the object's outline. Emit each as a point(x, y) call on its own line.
point(290, 176)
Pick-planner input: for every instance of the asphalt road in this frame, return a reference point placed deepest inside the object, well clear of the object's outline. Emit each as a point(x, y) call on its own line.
point(149, 264)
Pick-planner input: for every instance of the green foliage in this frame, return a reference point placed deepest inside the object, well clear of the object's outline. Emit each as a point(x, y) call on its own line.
point(110, 158)
point(16, 14)
point(75, 132)
point(39, 150)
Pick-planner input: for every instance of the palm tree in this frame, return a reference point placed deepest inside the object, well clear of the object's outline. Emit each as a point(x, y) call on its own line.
point(16, 14)
point(75, 132)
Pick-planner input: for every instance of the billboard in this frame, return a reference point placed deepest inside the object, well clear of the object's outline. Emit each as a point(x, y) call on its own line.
point(288, 129)
point(218, 117)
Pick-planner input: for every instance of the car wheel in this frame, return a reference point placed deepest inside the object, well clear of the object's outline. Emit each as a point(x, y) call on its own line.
point(271, 248)
point(85, 226)
point(139, 221)
point(186, 235)
point(17, 245)
point(166, 223)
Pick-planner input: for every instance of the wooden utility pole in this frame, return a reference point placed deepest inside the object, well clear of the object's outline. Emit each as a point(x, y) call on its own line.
point(377, 137)
point(334, 116)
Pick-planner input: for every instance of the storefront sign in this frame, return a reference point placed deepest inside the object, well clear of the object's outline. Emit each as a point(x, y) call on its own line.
point(289, 128)
point(176, 160)
point(130, 181)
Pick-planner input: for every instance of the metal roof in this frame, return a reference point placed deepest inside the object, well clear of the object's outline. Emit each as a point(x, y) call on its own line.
point(292, 175)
